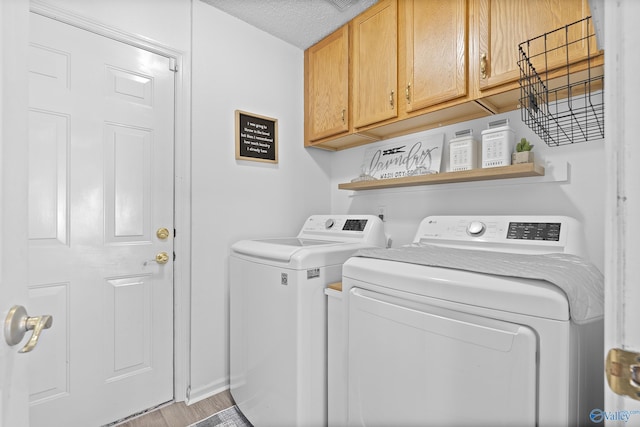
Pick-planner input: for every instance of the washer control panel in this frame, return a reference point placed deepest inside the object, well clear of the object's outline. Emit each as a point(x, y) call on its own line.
point(515, 233)
point(361, 228)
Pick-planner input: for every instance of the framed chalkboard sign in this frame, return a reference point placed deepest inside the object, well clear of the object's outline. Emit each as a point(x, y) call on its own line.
point(256, 137)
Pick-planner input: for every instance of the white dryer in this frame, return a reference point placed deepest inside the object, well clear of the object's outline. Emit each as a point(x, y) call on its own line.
point(482, 321)
point(278, 319)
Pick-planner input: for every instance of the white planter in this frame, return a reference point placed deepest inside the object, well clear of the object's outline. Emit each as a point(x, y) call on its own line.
point(522, 157)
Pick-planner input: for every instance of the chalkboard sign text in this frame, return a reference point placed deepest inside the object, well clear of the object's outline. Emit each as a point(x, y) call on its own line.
point(256, 137)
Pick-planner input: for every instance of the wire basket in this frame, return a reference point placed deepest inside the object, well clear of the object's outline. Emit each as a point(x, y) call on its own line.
point(565, 103)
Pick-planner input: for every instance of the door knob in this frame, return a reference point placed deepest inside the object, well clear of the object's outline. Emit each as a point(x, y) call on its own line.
point(17, 323)
point(161, 258)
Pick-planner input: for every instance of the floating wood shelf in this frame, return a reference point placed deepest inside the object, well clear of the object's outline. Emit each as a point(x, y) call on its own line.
point(514, 171)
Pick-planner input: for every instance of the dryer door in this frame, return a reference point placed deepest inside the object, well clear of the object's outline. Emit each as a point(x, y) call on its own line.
point(411, 363)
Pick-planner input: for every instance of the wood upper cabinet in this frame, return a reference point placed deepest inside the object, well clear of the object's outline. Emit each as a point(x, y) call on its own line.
point(403, 66)
point(504, 24)
point(375, 64)
point(327, 86)
point(436, 34)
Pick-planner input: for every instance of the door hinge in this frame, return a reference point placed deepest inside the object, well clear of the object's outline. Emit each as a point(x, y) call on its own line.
point(623, 372)
point(173, 65)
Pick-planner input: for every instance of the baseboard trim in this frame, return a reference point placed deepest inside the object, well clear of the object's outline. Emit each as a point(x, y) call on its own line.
point(208, 390)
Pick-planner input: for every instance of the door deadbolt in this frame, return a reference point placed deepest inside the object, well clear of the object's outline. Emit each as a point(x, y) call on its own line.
point(162, 233)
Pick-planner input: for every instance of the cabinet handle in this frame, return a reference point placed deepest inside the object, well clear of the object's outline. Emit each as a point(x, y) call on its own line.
point(391, 99)
point(407, 93)
point(343, 111)
point(483, 65)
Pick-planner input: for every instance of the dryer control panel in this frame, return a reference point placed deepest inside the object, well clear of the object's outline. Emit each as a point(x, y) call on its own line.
point(521, 234)
point(534, 231)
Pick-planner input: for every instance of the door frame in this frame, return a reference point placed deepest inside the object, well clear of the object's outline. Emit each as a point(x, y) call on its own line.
point(181, 179)
point(14, 374)
point(622, 291)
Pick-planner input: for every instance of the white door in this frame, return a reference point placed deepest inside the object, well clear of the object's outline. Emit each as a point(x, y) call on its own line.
point(13, 205)
point(100, 186)
point(622, 269)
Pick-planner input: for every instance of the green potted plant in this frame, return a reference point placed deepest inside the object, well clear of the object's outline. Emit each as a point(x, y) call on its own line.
point(523, 153)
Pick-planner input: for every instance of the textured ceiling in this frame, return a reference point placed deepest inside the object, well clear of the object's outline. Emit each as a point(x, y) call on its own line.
point(299, 22)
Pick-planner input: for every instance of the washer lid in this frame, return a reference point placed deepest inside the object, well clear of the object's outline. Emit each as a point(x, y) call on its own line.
point(279, 249)
point(295, 241)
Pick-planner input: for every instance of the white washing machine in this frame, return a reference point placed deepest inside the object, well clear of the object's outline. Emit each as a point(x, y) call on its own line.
point(278, 334)
point(482, 321)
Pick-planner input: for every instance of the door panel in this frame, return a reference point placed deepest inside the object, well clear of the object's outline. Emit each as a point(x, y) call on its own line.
point(48, 178)
point(101, 183)
point(49, 69)
point(128, 86)
point(50, 373)
point(128, 326)
point(128, 184)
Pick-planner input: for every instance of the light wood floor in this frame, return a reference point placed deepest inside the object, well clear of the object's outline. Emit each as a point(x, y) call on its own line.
point(181, 415)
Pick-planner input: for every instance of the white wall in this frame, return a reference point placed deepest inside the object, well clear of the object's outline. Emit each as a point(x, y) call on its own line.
point(236, 66)
point(581, 197)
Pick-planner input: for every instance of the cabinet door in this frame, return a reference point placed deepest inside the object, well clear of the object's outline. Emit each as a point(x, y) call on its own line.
point(504, 24)
point(436, 57)
point(327, 95)
point(375, 64)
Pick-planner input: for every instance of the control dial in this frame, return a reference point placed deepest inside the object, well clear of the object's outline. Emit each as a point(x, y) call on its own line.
point(476, 229)
point(329, 223)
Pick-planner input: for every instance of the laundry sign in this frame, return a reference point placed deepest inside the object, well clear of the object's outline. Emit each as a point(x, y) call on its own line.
point(408, 157)
point(256, 137)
